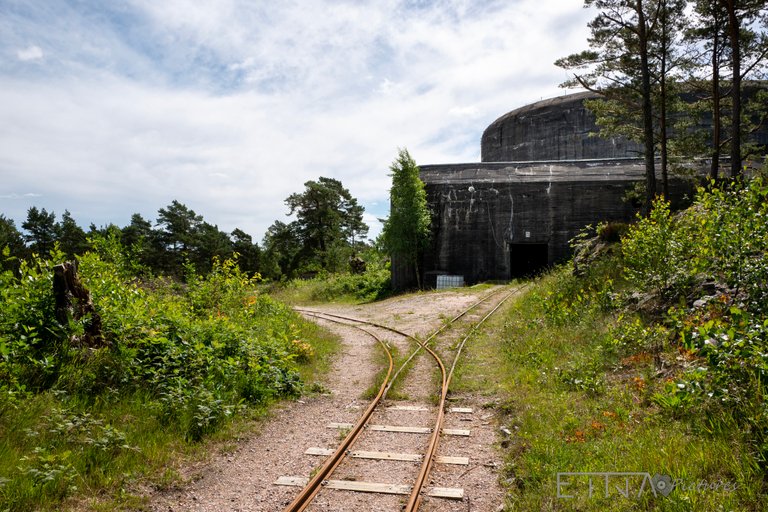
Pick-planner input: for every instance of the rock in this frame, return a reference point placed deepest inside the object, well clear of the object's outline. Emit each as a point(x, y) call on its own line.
point(700, 303)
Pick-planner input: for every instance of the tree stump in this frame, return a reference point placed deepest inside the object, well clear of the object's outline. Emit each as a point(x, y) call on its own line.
point(357, 265)
point(73, 302)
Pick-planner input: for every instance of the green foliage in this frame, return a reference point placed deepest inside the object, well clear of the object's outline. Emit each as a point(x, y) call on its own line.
point(328, 229)
point(706, 270)
point(586, 378)
point(12, 246)
point(281, 251)
point(407, 229)
point(572, 300)
point(41, 230)
point(70, 236)
point(656, 255)
point(30, 336)
point(723, 237)
point(371, 285)
point(367, 287)
point(731, 377)
point(181, 236)
point(630, 335)
point(183, 360)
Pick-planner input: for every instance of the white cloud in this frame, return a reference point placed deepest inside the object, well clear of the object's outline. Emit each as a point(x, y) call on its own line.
point(231, 106)
point(30, 53)
point(15, 195)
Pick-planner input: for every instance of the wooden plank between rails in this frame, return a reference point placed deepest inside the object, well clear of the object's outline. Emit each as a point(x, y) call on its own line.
point(406, 457)
point(405, 429)
point(375, 487)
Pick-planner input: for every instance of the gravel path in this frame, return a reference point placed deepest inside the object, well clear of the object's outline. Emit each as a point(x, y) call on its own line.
point(244, 479)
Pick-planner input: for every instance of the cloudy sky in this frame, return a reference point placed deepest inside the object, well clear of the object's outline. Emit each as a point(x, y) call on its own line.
point(115, 107)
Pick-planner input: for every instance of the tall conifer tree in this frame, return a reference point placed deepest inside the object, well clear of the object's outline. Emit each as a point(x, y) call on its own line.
point(407, 229)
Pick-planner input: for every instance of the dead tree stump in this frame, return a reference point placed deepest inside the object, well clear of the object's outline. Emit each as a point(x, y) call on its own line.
point(357, 264)
point(73, 301)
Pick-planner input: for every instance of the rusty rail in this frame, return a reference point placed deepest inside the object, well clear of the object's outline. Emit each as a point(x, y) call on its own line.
point(414, 500)
point(305, 497)
point(302, 501)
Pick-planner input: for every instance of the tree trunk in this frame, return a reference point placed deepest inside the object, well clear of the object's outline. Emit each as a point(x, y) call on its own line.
point(664, 164)
point(73, 302)
point(716, 119)
point(663, 106)
point(734, 36)
point(650, 163)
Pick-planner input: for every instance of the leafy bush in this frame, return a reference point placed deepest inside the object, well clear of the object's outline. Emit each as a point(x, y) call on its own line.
point(723, 237)
point(183, 357)
point(658, 256)
point(719, 246)
point(373, 284)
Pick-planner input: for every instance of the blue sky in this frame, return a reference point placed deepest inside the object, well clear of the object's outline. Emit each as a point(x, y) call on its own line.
point(229, 106)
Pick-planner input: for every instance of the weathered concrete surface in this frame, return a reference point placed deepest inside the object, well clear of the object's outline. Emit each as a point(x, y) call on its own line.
point(563, 128)
point(555, 129)
point(502, 220)
point(544, 176)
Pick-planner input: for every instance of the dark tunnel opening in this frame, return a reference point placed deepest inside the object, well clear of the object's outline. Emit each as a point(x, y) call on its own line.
point(527, 259)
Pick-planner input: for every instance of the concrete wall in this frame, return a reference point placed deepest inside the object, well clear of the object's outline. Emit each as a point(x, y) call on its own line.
point(486, 217)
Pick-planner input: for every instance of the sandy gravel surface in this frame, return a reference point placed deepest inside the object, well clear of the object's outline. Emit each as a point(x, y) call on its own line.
point(244, 479)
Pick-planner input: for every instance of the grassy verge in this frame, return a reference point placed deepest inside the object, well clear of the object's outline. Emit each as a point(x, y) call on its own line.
point(373, 284)
point(574, 401)
point(183, 370)
point(647, 355)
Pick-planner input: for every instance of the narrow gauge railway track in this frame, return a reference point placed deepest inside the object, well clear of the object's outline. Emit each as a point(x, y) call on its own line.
point(312, 488)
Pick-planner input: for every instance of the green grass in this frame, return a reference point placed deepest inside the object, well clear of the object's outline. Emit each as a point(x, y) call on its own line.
point(574, 403)
point(341, 288)
point(191, 369)
point(47, 433)
point(324, 346)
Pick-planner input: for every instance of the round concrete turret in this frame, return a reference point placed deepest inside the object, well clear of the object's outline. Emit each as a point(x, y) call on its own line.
point(559, 128)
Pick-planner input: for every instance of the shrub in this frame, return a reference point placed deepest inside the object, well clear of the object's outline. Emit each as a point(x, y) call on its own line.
point(656, 255)
point(184, 358)
point(722, 240)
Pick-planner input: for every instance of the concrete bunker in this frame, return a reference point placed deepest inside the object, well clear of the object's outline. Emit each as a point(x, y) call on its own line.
point(543, 177)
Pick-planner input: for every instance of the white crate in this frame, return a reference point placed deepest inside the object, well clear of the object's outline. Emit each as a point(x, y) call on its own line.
point(445, 281)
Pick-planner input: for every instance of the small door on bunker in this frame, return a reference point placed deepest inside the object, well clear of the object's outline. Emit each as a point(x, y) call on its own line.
point(527, 259)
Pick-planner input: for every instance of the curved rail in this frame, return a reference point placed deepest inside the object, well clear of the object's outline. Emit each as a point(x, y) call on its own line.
point(312, 488)
point(414, 500)
point(305, 497)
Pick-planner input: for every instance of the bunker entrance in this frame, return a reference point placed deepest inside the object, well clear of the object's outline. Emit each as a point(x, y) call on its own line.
point(527, 259)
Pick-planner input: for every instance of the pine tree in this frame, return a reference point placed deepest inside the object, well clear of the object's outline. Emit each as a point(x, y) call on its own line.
point(619, 66)
point(748, 50)
point(329, 222)
point(71, 237)
point(41, 230)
